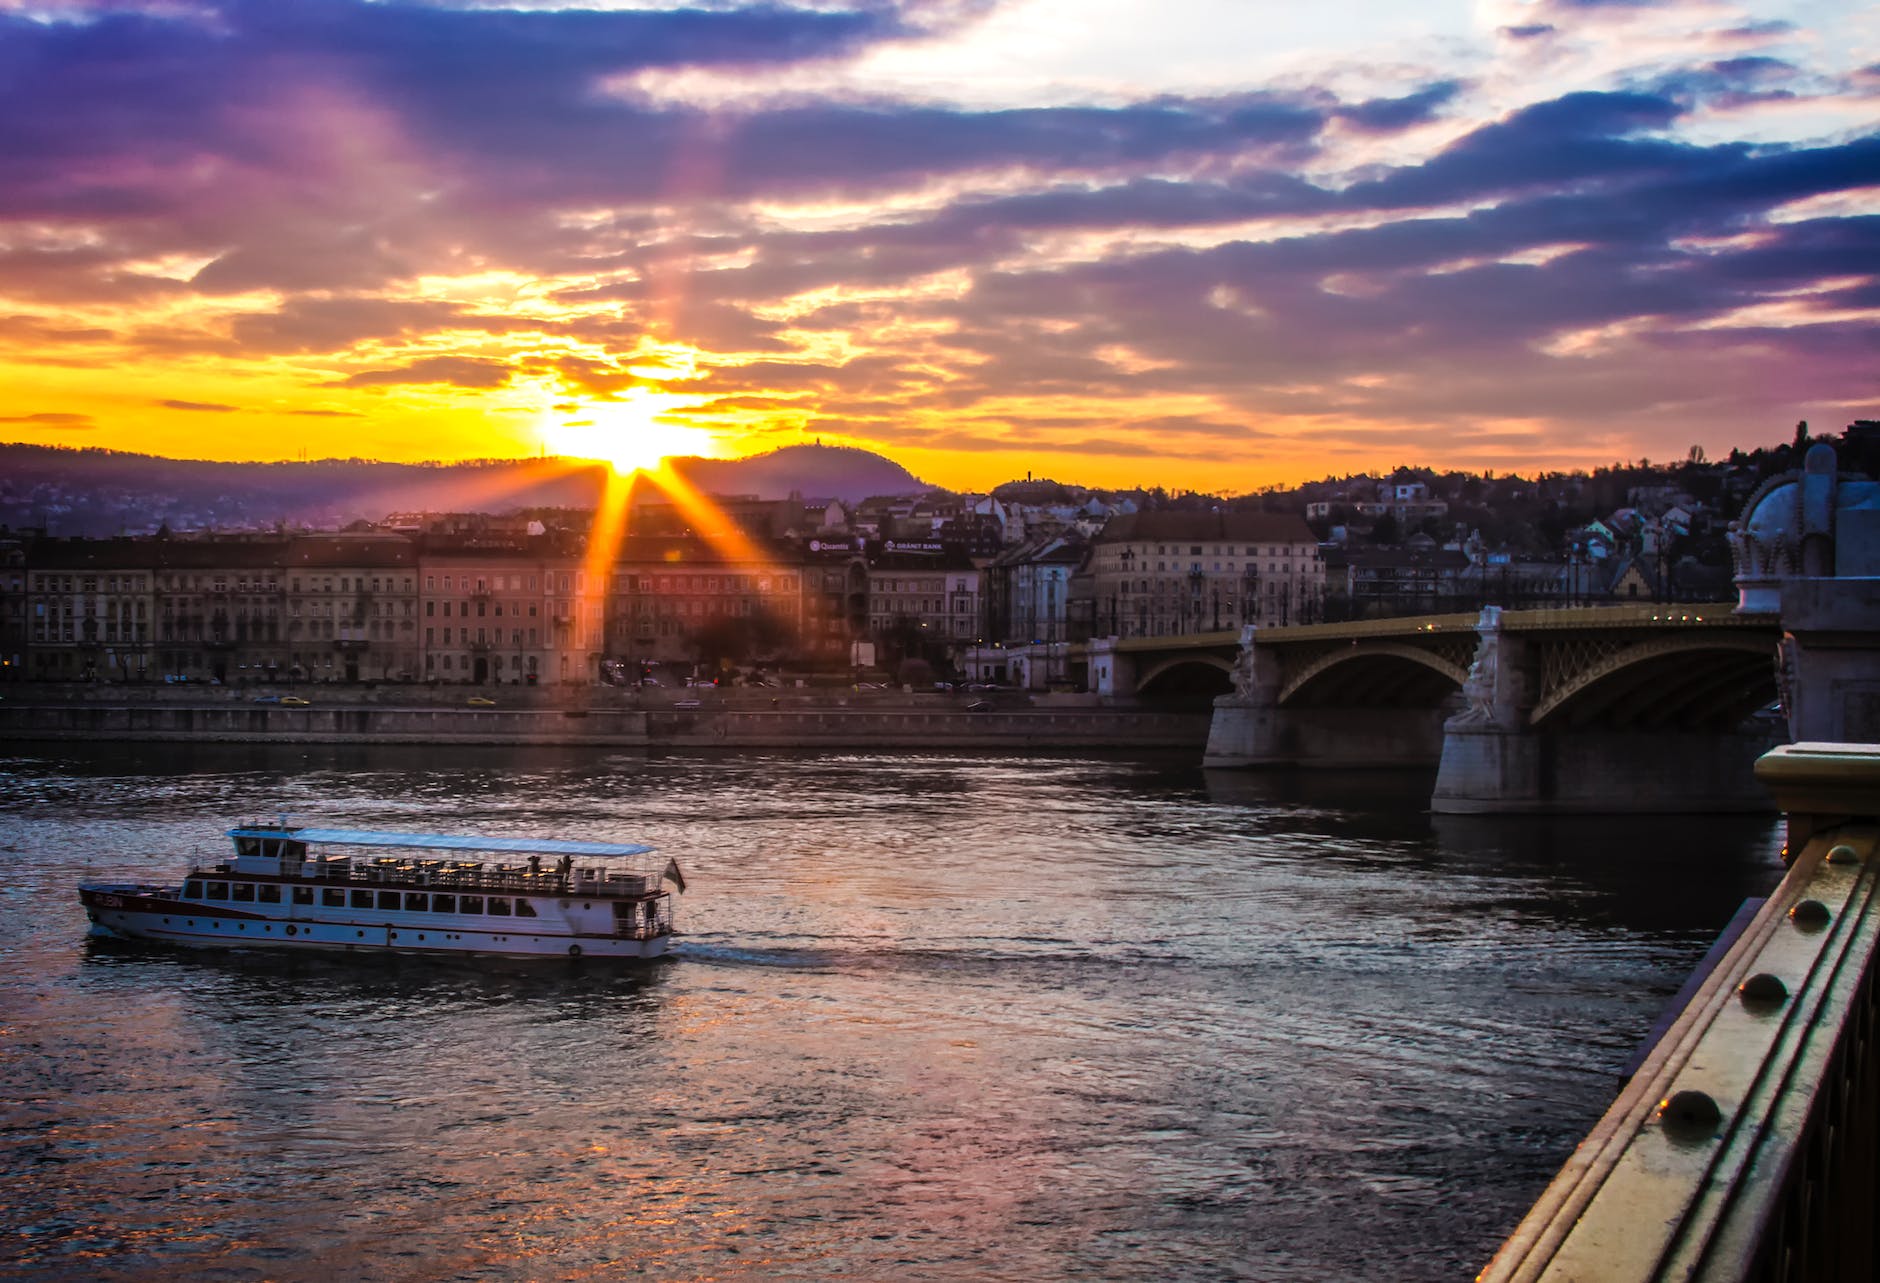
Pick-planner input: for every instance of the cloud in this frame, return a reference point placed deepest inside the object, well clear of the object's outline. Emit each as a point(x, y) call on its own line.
point(52, 419)
point(206, 407)
point(462, 371)
point(1547, 222)
point(1383, 115)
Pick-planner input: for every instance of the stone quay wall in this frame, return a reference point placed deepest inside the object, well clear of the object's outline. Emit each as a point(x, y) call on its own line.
point(741, 719)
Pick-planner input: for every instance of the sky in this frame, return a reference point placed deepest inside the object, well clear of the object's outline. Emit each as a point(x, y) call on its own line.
point(1204, 244)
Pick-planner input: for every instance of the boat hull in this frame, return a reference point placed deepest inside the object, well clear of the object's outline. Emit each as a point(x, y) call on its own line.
point(146, 913)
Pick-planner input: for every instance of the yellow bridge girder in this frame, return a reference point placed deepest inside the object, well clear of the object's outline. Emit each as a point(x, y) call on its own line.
point(1744, 657)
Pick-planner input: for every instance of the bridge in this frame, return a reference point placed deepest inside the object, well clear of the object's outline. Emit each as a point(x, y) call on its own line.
point(1624, 707)
point(1746, 1144)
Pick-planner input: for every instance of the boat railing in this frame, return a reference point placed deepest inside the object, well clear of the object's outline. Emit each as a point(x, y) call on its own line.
point(447, 875)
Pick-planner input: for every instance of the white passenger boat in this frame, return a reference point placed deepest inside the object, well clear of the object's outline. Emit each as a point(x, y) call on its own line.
point(361, 891)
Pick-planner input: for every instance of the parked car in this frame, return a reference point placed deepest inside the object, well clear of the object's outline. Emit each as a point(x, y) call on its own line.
point(295, 701)
point(686, 703)
point(480, 701)
point(267, 699)
point(980, 706)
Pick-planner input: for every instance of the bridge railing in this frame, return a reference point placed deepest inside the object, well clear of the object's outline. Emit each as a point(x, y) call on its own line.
point(1747, 1144)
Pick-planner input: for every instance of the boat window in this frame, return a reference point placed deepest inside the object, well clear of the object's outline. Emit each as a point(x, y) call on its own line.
point(270, 847)
point(294, 850)
point(332, 897)
point(388, 899)
point(499, 905)
point(268, 893)
point(416, 901)
point(524, 909)
point(443, 904)
point(362, 899)
point(247, 846)
point(243, 891)
point(303, 895)
point(471, 903)
point(218, 891)
point(192, 890)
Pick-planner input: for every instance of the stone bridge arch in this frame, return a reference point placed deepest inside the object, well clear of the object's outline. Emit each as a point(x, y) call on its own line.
point(1198, 673)
point(1380, 673)
point(1707, 682)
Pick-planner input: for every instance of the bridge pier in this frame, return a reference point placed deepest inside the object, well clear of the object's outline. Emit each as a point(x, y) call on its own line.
point(1252, 729)
point(1490, 770)
point(1251, 736)
point(1497, 760)
point(1643, 707)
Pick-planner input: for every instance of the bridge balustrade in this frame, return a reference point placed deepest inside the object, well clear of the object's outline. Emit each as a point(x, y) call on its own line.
point(1746, 1145)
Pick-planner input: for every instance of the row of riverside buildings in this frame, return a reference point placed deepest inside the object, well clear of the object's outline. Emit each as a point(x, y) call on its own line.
point(502, 601)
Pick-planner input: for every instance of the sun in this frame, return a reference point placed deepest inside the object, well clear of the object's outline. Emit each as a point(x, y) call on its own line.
point(630, 433)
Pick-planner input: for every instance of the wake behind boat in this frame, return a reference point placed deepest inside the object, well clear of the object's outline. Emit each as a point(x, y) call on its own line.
point(440, 895)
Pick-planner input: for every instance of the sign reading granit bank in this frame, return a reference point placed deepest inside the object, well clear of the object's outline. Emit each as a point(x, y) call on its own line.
point(896, 546)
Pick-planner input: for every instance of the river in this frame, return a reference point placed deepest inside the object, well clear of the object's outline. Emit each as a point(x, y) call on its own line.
point(940, 1017)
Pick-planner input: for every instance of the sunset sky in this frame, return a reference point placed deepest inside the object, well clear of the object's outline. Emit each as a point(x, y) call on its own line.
point(1213, 244)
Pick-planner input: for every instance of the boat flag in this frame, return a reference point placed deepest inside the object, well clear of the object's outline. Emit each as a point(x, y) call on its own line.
point(672, 872)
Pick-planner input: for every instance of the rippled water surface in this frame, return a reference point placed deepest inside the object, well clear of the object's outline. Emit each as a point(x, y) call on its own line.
point(947, 1017)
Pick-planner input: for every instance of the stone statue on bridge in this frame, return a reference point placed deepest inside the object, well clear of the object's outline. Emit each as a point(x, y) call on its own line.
point(1478, 691)
point(1245, 682)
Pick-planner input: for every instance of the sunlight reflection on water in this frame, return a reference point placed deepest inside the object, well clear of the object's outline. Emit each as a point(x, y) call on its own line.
point(948, 1017)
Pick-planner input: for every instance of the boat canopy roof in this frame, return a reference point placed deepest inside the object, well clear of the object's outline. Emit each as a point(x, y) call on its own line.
point(440, 841)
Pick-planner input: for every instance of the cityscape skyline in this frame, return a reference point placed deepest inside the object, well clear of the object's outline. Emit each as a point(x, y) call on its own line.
point(1216, 250)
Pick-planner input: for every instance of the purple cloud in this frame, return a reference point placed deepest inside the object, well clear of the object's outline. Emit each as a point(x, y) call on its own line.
point(1281, 251)
point(462, 371)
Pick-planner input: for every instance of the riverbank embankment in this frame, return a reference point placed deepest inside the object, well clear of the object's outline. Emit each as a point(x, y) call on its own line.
point(603, 716)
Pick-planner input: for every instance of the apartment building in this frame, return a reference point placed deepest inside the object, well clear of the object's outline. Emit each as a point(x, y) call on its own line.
point(1161, 574)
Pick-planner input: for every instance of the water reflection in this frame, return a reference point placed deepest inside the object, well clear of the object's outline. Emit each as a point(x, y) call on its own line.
point(946, 1016)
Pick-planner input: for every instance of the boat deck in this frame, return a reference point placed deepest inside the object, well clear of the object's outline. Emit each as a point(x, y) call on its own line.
point(597, 882)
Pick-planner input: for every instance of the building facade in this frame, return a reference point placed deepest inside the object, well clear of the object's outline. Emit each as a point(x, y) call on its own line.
point(350, 608)
point(501, 609)
point(677, 598)
point(1162, 574)
point(924, 598)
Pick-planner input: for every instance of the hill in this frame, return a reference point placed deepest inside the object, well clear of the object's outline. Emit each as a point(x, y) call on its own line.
point(106, 492)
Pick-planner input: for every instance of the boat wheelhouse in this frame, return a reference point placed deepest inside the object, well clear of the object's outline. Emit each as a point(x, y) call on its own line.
point(360, 890)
